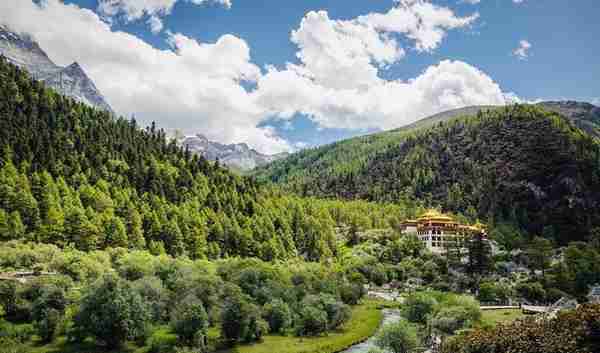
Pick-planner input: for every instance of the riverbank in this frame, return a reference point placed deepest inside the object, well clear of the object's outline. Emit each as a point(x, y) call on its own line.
point(365, 320)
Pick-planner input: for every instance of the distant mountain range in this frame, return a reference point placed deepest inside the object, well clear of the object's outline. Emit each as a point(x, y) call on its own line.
point(72, 81)
point(237, 156)
point(584, 115)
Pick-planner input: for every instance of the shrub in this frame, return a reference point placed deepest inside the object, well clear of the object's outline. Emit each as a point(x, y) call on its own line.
point(112, 312)
point(48, 310)
point(312, 321)
point(418, 306)
point(241, 320)
point(352, 293)
point(190, 322)
point(449, 320)
point(399, 337)
point(571, 331)
point(278, 315)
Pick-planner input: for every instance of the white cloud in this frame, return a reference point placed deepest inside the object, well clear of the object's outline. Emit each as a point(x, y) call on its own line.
point(338, 81)
point(131, 10)
point(389, 104)
point(522, 51)
point(596, 101)
point(194, 86)
point(518, 1)
point(199, 87)
point(472, 2)
point(155, 24)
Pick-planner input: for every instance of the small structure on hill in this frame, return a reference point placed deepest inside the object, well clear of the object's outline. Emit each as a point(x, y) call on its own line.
point(440, 232)
point(594, 295)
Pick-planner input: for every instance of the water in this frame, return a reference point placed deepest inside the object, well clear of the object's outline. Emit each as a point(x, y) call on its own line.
point(389, 316)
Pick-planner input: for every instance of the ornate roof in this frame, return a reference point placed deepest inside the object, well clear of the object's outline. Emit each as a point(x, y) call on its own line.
point(435, 215)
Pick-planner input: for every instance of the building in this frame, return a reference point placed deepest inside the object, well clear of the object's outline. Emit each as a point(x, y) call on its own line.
point(594, 295)
point(440, 232)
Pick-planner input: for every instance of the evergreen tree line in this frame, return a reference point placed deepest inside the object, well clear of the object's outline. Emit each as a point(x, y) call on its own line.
point(74, 175)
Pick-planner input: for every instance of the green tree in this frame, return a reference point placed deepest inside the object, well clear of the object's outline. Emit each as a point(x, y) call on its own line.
point(418, 306)
point(48, 310)
point(112, 312)
point(539, 251)
point(278, 315)
point(190, 322)
point(399, 337)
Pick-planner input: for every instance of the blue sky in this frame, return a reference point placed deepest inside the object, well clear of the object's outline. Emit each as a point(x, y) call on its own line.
point(561, 62)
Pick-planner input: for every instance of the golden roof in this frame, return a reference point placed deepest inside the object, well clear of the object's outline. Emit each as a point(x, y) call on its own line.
point(435, 215)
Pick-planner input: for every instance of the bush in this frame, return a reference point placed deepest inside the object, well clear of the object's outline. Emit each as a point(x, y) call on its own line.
point(112, 312)
point(571, 331)
point(48, 310)
point(241, 320)
point(493, 292)
point(418, 306)
point(399, 337)
point(16, 333)
point(352, 293)
point(532, 292)
point(190, 322)
point(278, 315)
point(312, 321)
point(449, 320)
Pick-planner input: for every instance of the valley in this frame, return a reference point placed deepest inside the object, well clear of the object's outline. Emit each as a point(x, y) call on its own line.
point(438, 236)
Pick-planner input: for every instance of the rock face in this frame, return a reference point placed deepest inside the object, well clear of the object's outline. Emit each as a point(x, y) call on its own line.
point(238, 156)
point(71, 81)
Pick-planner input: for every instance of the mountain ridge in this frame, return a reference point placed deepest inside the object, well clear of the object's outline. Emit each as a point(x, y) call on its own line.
point(237, 155)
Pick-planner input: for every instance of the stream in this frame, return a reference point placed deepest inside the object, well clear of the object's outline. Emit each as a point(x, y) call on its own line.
point(389, 316)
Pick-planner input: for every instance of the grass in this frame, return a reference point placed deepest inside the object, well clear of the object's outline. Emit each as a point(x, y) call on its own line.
point(495, 317)
point(363, 324)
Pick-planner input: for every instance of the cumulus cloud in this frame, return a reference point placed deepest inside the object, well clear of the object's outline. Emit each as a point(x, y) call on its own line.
point(389, 104)
point(131, 10)
point(338, 80)
point(194, 86)
point(199, 87)
point(522, 51)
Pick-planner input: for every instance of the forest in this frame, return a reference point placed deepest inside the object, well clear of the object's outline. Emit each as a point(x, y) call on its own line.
point(518, 164)
point(73, 175)
point(114, 239)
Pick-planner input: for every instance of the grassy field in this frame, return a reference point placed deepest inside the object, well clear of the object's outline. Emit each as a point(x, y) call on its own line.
point(495, 317)
point(365, 321)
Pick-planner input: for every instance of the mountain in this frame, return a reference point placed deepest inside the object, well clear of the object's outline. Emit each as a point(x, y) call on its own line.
point(585, 116)
point(523, 164)
point(238, 156)
point(72, 175)
point(72, 81)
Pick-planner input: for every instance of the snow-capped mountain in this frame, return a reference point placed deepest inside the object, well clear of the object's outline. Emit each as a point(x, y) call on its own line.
point(22, 50)
point(238, 156)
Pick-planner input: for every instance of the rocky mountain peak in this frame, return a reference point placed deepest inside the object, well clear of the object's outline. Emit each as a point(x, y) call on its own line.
point(238, 156)
point(22, 50)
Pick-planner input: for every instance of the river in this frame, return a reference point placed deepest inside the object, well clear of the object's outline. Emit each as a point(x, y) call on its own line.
point(389, 316)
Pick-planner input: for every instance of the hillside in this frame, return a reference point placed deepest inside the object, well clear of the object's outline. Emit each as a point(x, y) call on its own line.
point(72, 175)
point(519, 163)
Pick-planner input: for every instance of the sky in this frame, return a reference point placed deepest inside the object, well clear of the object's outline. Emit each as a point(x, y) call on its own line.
point(285, 75)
